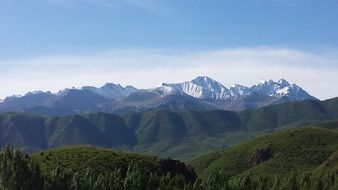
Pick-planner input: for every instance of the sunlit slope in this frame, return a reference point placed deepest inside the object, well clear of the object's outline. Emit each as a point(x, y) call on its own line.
point(294, 150)
point(99, 160)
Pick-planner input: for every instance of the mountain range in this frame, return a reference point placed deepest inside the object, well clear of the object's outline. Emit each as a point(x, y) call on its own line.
point(201, 93)
point(290, 145)
point(161, 132)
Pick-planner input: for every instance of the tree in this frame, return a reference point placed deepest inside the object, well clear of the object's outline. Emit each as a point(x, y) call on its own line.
point(18, 171)
point(56, 180)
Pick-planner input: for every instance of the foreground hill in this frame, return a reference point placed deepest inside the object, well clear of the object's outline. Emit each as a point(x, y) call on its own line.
point(83, 168)
point(308, 149)
point(99, 160)
point(296, 159)
point(160, 132)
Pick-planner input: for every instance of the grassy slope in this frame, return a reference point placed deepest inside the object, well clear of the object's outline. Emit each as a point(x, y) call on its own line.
point(80, 157)
point(99, 160)
point(327, 167)
point(296, 150)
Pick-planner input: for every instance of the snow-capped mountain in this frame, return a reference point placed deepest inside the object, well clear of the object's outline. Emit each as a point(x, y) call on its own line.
point(239, 90)
point(271, 88)
point(111, 90)
point(281, 89)
point(206, 88)
point(202, 88)
point(197, 94)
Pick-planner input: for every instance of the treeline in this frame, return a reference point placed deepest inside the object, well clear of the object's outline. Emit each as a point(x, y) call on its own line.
point(18, 171)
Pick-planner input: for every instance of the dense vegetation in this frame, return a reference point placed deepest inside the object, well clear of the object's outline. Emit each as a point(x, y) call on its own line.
point(98, 160)
point(18, 171)
point(178, 135)
point(85, 167)
point(308, 153)
point(292, 150)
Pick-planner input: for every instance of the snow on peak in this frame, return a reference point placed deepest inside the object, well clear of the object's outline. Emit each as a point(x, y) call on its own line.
point(203, 80)
point(187, 88)
point(209, 83)
point(206, 88)
point(282, 92)
point(262, 81)
point(164, 90)
point(212, 85)
point(239, 90)
point(201, 87)
point(283, 83)
point(266, 82)
point(280, 89)
point(111, 90)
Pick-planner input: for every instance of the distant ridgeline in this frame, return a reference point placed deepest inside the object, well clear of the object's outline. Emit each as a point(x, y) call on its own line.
point(202, 93)
point(175, 134)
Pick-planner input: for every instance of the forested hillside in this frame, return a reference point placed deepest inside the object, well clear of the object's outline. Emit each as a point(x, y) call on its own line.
point(160, 132)
point(297, 159)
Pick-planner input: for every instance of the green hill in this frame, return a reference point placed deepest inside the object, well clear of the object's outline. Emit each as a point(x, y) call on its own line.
point(180, 135)
point(279, 155)
point(276, 155)
point(272, 117)
point(98, 160)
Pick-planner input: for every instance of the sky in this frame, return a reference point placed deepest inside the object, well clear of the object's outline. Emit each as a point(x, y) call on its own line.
point(54, 44)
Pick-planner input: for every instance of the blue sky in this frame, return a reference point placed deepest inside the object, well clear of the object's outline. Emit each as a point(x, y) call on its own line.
point(36, 35)
point(33, 27)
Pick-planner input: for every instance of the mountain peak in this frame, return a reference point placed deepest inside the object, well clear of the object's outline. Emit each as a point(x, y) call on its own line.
point(203, 88)
point(203, 79)
point(112, 90)
point(283, 82)
point(112, 85)
point(37, 92)
point(209, 83)
point(264, 82)
point(119, 87)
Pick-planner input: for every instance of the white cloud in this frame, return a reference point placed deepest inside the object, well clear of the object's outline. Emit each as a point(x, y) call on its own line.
point(315, 72)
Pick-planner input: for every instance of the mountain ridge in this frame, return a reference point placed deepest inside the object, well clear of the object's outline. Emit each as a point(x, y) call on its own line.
point(201, 93)
point(182, 134)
